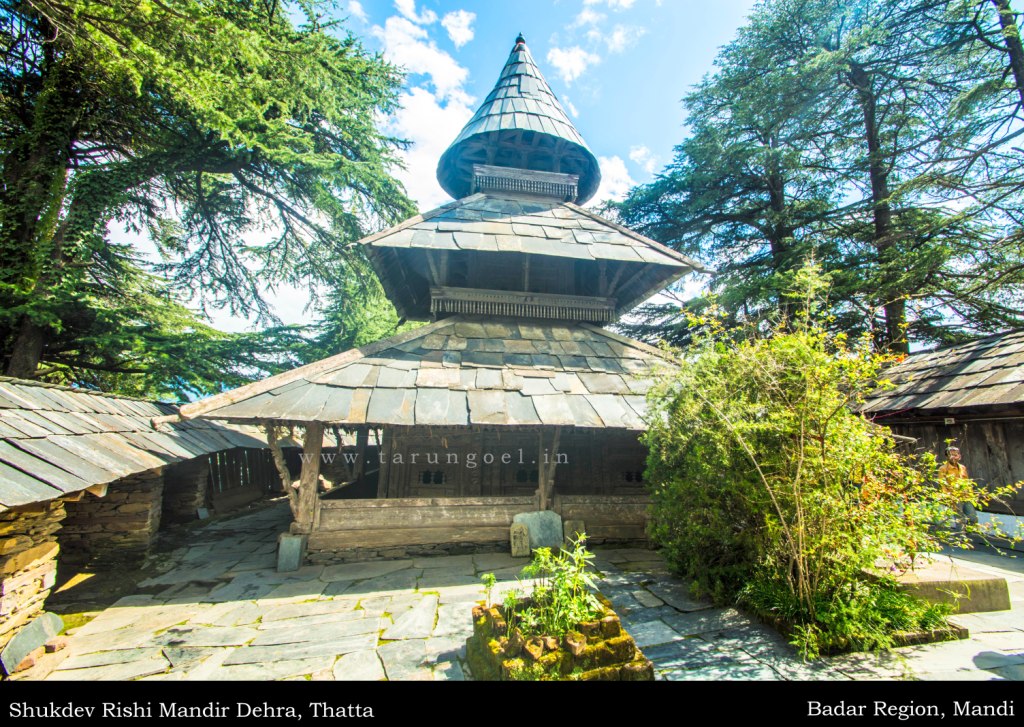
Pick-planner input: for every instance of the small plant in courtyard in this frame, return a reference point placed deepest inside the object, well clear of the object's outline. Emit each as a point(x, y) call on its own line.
point(560, 629)
point(563, 595)
point(771, 491)
point(488, 580)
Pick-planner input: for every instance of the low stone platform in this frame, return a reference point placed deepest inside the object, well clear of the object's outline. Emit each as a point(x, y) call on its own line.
point(598, 650)
point(941, 580)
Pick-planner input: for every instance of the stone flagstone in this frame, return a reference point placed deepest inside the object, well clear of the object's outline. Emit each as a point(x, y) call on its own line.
point(322, 632)
point(414, 624)
point(112, 672)
point(359, 666)
point(258, 654)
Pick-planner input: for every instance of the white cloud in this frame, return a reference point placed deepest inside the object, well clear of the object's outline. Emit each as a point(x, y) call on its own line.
point(570, 63)
point(408, 45)
point(642, 156)
point(587, 17)
point(459, 25)
point(408, 9)
point(623, 36)
point(613, 4)
point(570, 106)
point(615, 180)
point(355, 9)
point(431, 126)
point(432, 111)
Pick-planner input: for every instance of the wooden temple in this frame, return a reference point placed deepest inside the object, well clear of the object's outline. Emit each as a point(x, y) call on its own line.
point(513, 398)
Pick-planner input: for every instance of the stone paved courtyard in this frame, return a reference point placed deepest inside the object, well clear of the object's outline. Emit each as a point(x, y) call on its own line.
point(219, 611)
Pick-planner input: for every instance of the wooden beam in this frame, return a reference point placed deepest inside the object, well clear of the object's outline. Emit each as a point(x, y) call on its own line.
point(359, 466)
point(97, 490)
point(274, 442)
point(546, 471)
point(312, 446)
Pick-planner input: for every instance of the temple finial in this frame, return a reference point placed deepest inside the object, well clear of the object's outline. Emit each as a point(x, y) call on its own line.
point(520, 40)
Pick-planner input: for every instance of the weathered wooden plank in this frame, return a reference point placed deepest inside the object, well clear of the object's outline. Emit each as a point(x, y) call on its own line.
point(21, 489)
point(41, 469)
point(392, 537)
point(425, 502)
point(333, 519)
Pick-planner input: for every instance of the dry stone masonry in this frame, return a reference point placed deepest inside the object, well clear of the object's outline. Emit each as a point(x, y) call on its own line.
point(119, 527)
point(28, 563)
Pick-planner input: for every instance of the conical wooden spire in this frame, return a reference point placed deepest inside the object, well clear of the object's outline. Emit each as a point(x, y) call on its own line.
point(521, 125)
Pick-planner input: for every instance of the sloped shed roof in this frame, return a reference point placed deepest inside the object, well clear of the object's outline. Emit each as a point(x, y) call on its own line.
point(56, 440)
point(988, 372)
point(462, 371)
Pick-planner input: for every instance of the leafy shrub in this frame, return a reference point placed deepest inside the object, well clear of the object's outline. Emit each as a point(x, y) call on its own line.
point(770, 491)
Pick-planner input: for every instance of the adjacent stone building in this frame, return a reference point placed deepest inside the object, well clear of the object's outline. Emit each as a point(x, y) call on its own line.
point(84, 476)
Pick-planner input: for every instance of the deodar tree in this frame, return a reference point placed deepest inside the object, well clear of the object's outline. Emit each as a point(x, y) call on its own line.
point(881, 135)
point(240, 140)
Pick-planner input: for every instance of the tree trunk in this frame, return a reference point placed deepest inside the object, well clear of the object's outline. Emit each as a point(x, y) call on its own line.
point(893, 300)
point(27, 350)
point(1011, 36)
point(781, 234)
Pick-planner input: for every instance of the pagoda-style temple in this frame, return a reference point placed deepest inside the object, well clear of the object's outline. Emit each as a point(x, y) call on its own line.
point(513, 398)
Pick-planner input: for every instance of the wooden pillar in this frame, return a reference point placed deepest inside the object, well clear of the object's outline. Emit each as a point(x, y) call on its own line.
point(359, 466)
point(311, 449)
point(384, 474)
point(546, 471)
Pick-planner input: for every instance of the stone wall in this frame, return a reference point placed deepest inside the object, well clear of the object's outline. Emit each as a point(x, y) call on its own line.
point(119, 527)
point(186, 486)
point(28, 563)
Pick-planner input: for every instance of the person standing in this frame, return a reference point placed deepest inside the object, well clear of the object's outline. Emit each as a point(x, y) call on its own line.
point(951, 472)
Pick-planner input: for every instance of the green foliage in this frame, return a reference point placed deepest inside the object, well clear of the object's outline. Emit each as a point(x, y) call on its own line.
point(768, 489)
point(562, 597)
point(357, 314)
point(241, 137)
point(489, 580)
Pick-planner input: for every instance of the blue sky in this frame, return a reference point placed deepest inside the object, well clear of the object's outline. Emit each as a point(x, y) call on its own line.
point(620, 67)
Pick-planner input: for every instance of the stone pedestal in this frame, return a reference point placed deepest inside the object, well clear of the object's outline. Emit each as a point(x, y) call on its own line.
point(598, 650)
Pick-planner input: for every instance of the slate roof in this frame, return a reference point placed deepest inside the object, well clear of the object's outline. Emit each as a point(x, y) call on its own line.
point(521, 101)
point(462, 371)
point(56, 440)
point(984, 373)
point(488, 222)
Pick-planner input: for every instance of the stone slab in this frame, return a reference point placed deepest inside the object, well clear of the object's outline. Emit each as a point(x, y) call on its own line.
point(283, 652)
point(362, 571)
point(112, 672)
point(303, 610)
point(359, 666)
point(544, 528)
point(108, 658)
point(270, 671)
point(322, 632)
point(417, 623)
point(406, 660)
point(29, 638)
point(208, 636)
point(291, 550)
point(703, 622)
point(651, 633)
point(454, 618)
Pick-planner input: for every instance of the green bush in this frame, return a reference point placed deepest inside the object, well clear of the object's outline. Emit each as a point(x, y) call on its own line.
point(563, 595)
point(771, 492)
